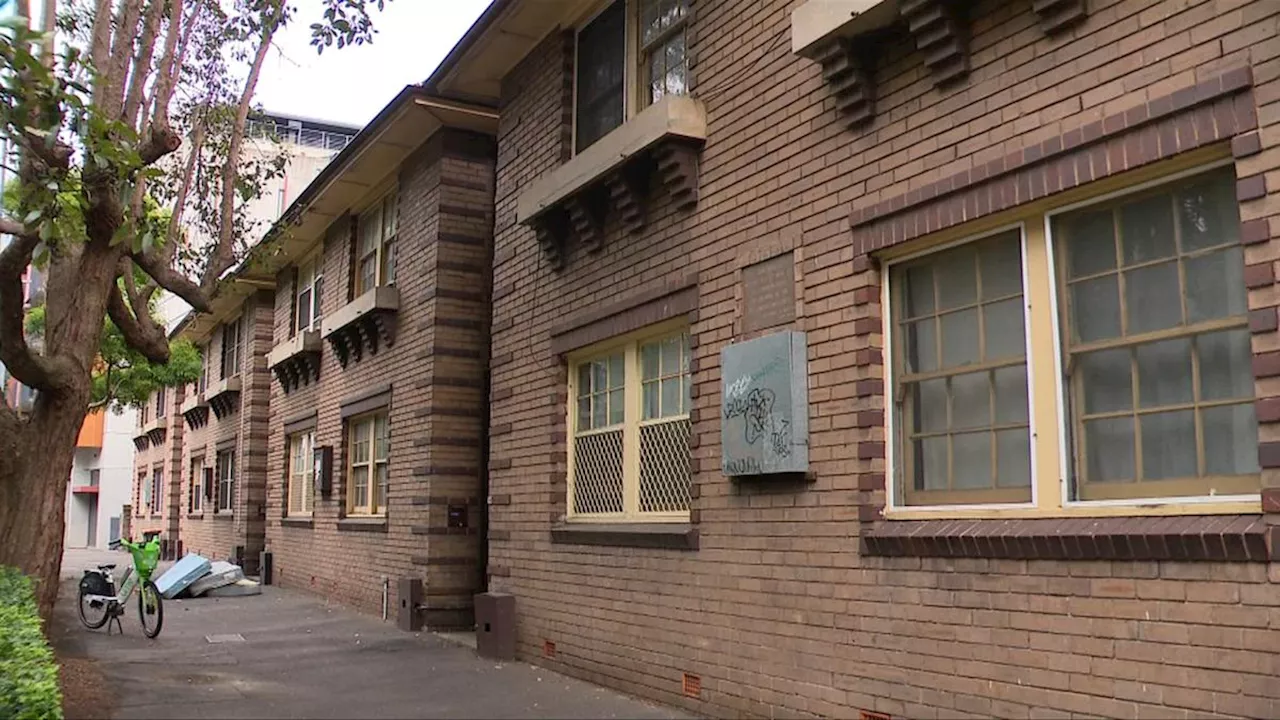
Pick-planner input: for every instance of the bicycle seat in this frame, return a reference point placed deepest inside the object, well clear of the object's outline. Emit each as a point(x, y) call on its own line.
point(108, 566)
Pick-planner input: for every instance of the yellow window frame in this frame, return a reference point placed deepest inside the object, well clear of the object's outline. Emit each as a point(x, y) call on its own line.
point(370, 508)
point(300, 471)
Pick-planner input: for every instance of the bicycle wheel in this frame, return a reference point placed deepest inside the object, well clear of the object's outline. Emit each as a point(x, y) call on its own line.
point(150, 609)
point(93, 613)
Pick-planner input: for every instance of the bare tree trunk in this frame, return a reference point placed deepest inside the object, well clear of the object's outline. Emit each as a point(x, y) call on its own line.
point(33, 489)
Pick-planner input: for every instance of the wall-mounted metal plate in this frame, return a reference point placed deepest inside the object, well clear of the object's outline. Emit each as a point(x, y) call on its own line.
point(764, 414)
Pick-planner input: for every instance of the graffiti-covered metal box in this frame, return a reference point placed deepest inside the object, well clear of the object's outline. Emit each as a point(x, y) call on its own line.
point(764, 415)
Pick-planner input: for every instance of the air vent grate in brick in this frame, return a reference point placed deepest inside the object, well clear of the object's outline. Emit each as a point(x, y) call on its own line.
point(1059, 15)
point(941, 36)
point(873, 715)
point(850, 79)
point(692, 685)
point(548, 649)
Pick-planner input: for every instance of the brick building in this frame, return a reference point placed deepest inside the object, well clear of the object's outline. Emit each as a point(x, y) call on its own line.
point(157, 466)
point(903, 356)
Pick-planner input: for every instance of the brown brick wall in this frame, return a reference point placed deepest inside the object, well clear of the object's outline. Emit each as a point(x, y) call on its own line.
point(777, 612)
point(436, 372)
point(166, 456)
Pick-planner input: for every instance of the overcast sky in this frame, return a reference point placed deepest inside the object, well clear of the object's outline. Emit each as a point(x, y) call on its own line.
point(352, 84)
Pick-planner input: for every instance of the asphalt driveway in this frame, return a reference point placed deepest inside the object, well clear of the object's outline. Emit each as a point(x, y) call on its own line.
point(286, 654)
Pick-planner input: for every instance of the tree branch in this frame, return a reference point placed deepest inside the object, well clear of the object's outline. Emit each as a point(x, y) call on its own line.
point(121, 51)
point(9, 226)
point(142, 63)
point(28, 367)
point(172, 280)
point(143, 333)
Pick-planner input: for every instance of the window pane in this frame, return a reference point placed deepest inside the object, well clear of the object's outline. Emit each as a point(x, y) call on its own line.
point(584, 413)
point(650, 396)
point(971, 460)
point(1011, 394)
point(584, 380)
point(671, 355)
point(599, 376)
point(929, 410)
point(970, 400)
point(1164, 373)
point(1107, 381)
point(304, 309)
point(957, 280)
point(1001, 263)
point(1003, 329)
point(657, 77)
point(380, 488)
point(1226, 365)
point(388, 264)
point(1208, 213)
point(922, 346)
point(1095, 309)
point(650, 20)
point(919, 290)
point(368, 273)
point(1091, 247)
point(382, 438)
point(959, 338)
point(1013, 458)
point(649, 361)
point(671, 396)
point(675, 78)
point(1169, 445)
point(360, 487)
point(1109, 445)
point(1215, 285)
point(600, 409)
point(370, 232)
point(597, 473)
point(390, 215)
point(1146, 230)
point(1230, 440)
point(600, 73)
point(664, 467)
point(617, 407)
point(617, 371)
point(930, 463)
point(1153, 299)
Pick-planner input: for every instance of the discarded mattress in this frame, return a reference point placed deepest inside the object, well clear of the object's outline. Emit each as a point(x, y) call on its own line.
point(220, 574)
point(184, 572)
point(238, 588)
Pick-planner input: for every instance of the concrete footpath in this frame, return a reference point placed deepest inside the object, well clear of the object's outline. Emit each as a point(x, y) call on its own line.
point(286, 654)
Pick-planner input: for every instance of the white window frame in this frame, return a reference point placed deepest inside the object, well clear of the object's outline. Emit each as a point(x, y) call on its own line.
point(370, 508)
point(197, 486)
point(310, 278)
point(894, 504)
point(157, 491)
point(235, 327)
point(301, 468)
point(226, 479)
point(387, 237)
point(633, 410)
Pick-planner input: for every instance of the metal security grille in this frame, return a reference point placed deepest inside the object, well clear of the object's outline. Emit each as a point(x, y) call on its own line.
point(664, 466)
point(597, 460)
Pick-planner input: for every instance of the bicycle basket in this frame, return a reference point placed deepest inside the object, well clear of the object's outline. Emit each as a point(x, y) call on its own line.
point(145, 557)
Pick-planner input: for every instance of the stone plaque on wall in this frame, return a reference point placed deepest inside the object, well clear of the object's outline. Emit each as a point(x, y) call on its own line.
point(764, 418)
point(769, 293)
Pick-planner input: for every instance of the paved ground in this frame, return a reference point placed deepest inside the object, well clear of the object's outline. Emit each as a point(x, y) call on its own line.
point(302, 659)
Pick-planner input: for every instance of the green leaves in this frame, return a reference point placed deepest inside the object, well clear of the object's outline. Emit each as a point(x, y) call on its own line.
point(346, 22)
point(28, 674)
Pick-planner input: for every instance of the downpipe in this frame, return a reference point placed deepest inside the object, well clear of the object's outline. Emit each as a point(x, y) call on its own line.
point(386, 595)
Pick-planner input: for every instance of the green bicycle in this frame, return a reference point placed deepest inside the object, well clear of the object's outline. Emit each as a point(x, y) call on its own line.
point(100, 604)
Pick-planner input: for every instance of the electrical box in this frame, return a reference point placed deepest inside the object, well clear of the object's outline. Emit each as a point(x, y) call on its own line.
point(764, 413)
point(323, 469)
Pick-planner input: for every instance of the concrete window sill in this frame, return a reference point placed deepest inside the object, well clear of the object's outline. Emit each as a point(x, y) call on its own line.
point(674, 536)
point(298, 522)
point(363, 524)
point(223, 516)
point(195, 516)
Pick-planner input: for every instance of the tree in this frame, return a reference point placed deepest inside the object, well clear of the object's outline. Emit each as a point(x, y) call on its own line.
point(113, 105)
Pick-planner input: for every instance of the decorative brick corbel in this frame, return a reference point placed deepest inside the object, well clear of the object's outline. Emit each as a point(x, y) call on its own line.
point(678, 167)
point(628, 192)
point(1058, 15)
point(586, 216)
point(552, 230)
point(849, 75)
point(941, 35)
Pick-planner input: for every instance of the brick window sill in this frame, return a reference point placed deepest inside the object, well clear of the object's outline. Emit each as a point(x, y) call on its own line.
point(223, 515)
point(363, 524)
point(195, 516)
point(1234, 538)
point(675, 536)
point(299, 522)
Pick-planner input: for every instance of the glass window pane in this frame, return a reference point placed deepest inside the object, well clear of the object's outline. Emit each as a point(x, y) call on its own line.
point(1109, 449)
point(930, 463)
point(1011, 394)
point(601, 72)
point(1168, 445)
point(657, 78)
point(671, 396)
point(971, 400)
point(649, 363)
point(1208, 213)
point(922, 346)
point(390, 215)
point(1146, 230)
point(929, 405)
point(617, 408)
point(1107, 381)
point(1153, 298)
point(959, 338)
point(1090, 242)
point(957, 279)
point(370, 232)
point(650, 20)
point(650, 401)
point(584, 379)
point(1215, 285)
point(971, 460)
point(1003, 329)
point(388, 264)
point(674, 52)
point(685, 393)
point(599, 376)
point(1001, 263)
point(617, 371)
point(1013, 458)
point(1226, 365)
point(1164, 373)
point(919, 291)
point(599, 410)
point(380, 487)
point(671, 355)
point(1095, 309)
point(1230, 440)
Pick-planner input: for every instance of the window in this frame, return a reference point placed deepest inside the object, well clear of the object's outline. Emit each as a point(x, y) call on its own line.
point(204, 370)
point(630, 422)
point(606, 73)
point(226, 469)
point(307, 302)
point(196, 502)
point(369, 450)
point(301, 481)
point(962, 375)
point(144, 415)
point(1126, 319)
point(161, 398)
point(376, 253)
point(145, 491)
point(232, 334)
point(1157, 342)
point(157, 491)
